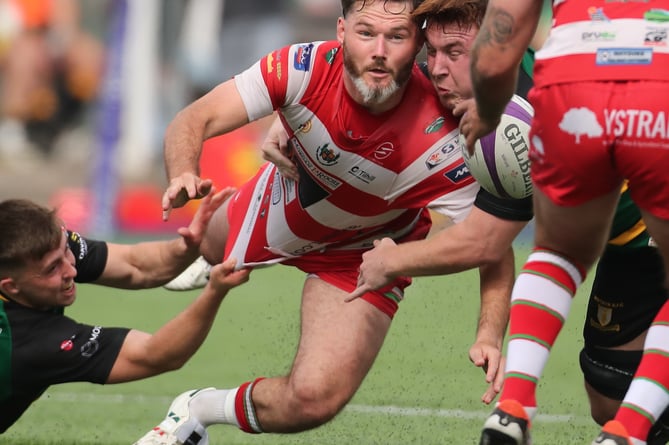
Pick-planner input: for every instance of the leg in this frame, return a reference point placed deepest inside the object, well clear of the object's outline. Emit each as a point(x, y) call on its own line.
point(578, 233)
point(647, 397)
point(338, 344)
point(213, 244)
point(568, 240)
point(627, 293)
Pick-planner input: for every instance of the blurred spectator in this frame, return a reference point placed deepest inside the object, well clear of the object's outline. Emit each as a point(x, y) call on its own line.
point(50, 69)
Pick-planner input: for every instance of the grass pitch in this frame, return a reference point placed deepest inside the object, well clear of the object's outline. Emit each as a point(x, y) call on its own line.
point(421, 390)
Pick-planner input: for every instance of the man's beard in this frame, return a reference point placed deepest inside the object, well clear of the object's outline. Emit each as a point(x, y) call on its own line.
point(376, 95)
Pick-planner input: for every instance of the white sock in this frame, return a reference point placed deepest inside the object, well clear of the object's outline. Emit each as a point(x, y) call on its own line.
point(215, 407)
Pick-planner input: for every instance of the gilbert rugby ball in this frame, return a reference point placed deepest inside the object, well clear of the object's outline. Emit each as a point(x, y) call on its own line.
point(500, 162)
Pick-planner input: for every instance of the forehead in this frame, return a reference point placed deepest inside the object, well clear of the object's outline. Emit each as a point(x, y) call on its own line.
point(381, 12)
point(54, 254)
point(451, 33)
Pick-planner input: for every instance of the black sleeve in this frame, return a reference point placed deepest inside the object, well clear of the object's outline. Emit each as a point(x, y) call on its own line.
point(54, 349)
point(509, 209)
point(90, 257)
point(525, 83)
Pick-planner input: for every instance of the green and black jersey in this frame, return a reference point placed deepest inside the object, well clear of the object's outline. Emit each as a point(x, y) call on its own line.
point(42, 348)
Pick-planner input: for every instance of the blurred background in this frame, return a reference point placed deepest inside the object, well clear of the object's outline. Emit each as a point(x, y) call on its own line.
point(87, 88)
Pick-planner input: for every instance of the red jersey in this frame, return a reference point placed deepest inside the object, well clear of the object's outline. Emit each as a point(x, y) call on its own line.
point(605, 40)
point(362, 176)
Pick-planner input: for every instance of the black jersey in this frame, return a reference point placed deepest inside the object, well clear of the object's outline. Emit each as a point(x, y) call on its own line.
point(42, 348)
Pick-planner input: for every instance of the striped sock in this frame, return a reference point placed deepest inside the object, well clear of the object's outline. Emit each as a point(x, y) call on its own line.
point(540, 303)
point(648, 395)
point(244, 409)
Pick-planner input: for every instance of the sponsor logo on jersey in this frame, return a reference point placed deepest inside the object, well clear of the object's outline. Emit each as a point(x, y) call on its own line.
point(435, 126)
point(276, 188)
point(440, 155)
point(458, 173)
point(305, 127)
point(274, 63)
point(330, 55)
point(657, 15)
point(384, 150)
point(326, 155)
point(83, 246)
point(624, 56)
point(66, 345)
point(597, 14)
point(361, 174)
point(656, 37)
point(303, 57)
point(91, 346)
point(598, 36)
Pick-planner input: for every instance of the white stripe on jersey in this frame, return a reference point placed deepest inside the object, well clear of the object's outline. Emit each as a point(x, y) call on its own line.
point(586, 37)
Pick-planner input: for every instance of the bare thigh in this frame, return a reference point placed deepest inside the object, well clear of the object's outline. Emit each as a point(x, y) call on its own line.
point(213, 244)
point(579, 233)
point(338, 344)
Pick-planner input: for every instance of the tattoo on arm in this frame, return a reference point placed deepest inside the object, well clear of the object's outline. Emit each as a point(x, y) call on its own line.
point(501, 26)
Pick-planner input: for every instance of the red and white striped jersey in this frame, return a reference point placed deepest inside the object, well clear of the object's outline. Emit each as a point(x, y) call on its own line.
point(362, 176)
point(605, 40)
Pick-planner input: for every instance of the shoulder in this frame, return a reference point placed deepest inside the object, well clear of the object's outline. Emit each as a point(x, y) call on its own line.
point(90, 256)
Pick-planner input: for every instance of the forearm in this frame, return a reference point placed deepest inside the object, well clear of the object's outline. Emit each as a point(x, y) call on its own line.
point(182, 144)
point(496, 285)
point(144, 355)
point(478, 240)
point(171, 346)
point(505, 34)
point(449, 251)
point(146, 264)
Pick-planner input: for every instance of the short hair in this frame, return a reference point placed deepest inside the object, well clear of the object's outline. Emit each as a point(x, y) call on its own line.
point(28, 231)
point(347, 5)
point(465, 13)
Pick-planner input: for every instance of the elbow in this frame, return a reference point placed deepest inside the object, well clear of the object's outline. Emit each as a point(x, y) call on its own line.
point(490, 253)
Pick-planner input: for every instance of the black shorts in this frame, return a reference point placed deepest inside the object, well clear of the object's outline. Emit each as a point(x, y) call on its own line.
point(627, 293)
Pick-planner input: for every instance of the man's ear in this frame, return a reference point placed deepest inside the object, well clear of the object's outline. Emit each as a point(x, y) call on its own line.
point(340, 30)
point(8, 287)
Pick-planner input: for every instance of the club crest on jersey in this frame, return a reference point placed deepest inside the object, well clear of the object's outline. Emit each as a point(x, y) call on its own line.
point(435, 126)
point(303, 57)
point(326, 156)
point(330, 55)
point(440, 155)
point(458, 173)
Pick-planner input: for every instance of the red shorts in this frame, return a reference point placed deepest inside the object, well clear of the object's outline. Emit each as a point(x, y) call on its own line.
point(587, 137)
point(252, 224)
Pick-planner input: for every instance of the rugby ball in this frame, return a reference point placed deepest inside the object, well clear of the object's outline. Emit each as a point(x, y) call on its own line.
point(500, 162)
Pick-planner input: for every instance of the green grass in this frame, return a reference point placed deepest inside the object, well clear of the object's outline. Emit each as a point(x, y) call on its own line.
point(423, 369)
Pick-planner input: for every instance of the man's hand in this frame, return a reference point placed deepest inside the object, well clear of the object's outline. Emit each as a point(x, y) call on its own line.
point(276, 150)
point(472, 126)
point(182, 189)
point(373, 271)
point(489, 358)
point(223, 276)
point(194, 233)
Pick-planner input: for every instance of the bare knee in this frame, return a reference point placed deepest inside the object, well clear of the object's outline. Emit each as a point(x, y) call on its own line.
point(316, 404)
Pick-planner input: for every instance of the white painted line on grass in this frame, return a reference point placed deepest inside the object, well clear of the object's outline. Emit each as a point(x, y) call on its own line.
point(391, 410)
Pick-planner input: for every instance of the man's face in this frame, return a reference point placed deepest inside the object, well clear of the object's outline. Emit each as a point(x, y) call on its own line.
point(48, 282)
point(380, 43)
point(448, 49)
